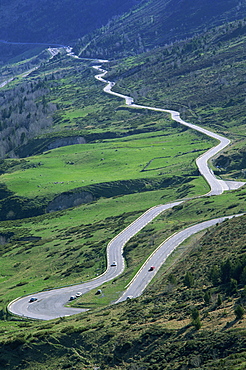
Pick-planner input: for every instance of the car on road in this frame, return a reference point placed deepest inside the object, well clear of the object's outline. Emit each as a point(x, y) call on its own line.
point(33, 299)
point(113, 264)
point(151, 268)
point(72, 298)
point(78, 294)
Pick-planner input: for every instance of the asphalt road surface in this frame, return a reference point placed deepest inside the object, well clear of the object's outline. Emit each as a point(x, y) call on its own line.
point(146, 274)
point(51, 304)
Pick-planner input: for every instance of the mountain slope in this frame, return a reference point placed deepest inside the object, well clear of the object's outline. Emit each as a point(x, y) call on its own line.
point(53, 21)
point(203, 77)
point(188, 317)
point(155, 331)
point(158, 22)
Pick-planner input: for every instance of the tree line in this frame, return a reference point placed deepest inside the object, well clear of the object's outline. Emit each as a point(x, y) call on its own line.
point(24, 112)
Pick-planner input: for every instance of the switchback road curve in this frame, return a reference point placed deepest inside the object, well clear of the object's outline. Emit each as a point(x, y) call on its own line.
point(217, 186)
point(51, 304)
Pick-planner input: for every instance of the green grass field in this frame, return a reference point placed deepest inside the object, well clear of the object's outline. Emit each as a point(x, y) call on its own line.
point(138, 156)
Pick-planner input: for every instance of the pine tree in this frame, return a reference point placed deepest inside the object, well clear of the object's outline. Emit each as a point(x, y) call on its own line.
point(195, 318)
point(189, 279)
point(239, 312)
point(207, 297)
point(219, 300)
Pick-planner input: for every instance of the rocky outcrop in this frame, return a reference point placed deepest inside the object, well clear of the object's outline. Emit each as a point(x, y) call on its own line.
point(65, 141)
point(68, 200)
point(40, 145)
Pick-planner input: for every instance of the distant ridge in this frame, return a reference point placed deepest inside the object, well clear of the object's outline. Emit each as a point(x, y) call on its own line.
point(56, 21)
point(158, 22)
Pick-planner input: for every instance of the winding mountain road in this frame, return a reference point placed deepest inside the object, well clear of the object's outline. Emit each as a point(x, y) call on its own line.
point(217, 186)
point(51, 304)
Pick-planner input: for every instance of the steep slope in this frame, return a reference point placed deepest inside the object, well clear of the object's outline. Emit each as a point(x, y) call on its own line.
point(55, 21)
point(203, 77)
point(192, 314)
point(158, 22)
point(189, 318)
point(37, 21)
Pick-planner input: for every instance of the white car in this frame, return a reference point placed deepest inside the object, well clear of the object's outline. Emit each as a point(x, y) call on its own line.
point(113, 264)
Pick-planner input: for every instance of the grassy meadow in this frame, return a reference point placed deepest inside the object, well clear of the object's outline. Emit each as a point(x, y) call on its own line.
point(162, 153)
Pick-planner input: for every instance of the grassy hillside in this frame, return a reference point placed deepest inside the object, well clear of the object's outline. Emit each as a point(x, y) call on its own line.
point(203, 78)
point(156, 23)
point(141, 159)
point(63, 98)
point(181, 321)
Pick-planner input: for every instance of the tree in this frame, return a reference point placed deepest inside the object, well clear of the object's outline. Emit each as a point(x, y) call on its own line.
point(214, 275)
point(237, 270)
point(207, 297)
point(189, 279)
point(243, 276)
point(219, 300)
point(226, 268)
point(232, 287)
point(195, 318)
point(239, 312)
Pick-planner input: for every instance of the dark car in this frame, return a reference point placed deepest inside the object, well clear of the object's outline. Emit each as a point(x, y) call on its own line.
point(151, 268)
point(72, 298)
point(33, 299)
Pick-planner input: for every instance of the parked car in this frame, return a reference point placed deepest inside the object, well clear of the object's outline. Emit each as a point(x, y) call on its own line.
point(78, 294)
point(151, 268)
point(33, 299)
